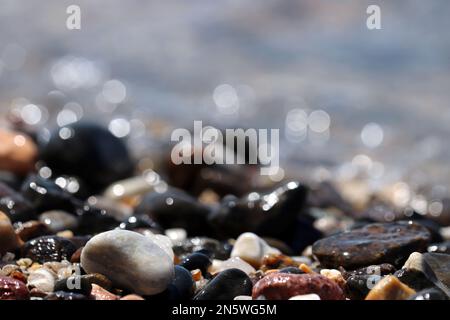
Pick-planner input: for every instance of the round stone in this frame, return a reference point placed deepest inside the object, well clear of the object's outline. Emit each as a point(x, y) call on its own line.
point(48, 249)
point(372, 244)
point(130, 260)
point(87, 151)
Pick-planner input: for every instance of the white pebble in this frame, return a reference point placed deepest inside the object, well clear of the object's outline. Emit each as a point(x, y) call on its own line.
point(42, 279)
point(252, 249)
point(311, 296)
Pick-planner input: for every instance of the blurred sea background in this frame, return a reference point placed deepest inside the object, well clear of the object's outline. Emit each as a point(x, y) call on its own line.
point(349, 102)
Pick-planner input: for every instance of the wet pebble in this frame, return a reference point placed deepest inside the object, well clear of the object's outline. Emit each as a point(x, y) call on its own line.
point(42, 279)
point(17, 152)
point(130, 260)
point(9, 241)
point(196, 260)
point(390, 288)
point(429, 294)
point(225, 286)
point(13, 289)
point(220, 250)
point(31, 229)
point(232, 263)
point(282, 286)
point(251, 248)
point(372, 244)
point(99, 293)
point(182, 286)
point(75, 284)
point(91, 153)
point(48, 248)
point(58, 220)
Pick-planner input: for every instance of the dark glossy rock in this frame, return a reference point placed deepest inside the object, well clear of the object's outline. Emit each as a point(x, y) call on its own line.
point(282, 286)
point(17, 207)
point(292, 270)
point(219, 250)
point(63, 295)
point(436, 267)
point(137, 222)
point(13, 289)
point(75, 284)
point(360, 281)
point(274, 214)
point(443, 247)
point(429, 294)
point(45, 194)
point(196, 261)
point(98, 279)
point(93, 220)
point(31, 229)
point(48, 248)
point(226, 285)
point(414, 279)
point(175, 209)
point(91, 153)
point(182, 286)
point(372, 244)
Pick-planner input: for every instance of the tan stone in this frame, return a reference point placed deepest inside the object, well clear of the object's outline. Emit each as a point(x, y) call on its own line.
point(17, 152)
point(390, 288)
point(101, 294)
point(9, 241)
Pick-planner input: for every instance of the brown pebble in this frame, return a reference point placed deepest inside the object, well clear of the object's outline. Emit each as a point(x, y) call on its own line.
point(282, 286)
point(9, 241)
point(98, 293)
point(31, 229)
point(390, 288)
point(75, 258)
point(13, 289)
point(132, 297)
point(17, 152)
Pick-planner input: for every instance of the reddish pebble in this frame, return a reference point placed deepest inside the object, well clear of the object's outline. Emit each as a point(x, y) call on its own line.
point(132, 297)
point(98, 293)
point(282, 286)
point(13, 289)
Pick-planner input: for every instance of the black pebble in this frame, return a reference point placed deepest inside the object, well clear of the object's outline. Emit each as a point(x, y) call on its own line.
point(75, 284)
point(226, 285)
point(48, 248)
point(196, 261)
point(182, 286)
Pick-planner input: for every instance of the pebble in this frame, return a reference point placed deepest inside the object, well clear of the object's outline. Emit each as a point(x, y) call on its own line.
point(17, 152)
point(282, 286)
point(225, 286)
point(9, 241)
point(174, 208)
point(273, 214)
point(232, 263)
point(196, 261)
point(75, 284)
point(13, 289)
point(17, 208)
point(443, 247)
point(360, 281)
point(130, 187)
point(132, 297)
point(429, 294)
point(42, 279)
point(130, 260)
point(91, 153)
point(251, 248)
point(98, 279)
point(58, 220)
point(98, 293)
point(243, 298)
point(219, 250)
point(311, 296)
point(437, 269)
point(63, 295)
point(182, 286)
point(48, 248)
point(390, 288)
point(31, 229)
point(372, 244)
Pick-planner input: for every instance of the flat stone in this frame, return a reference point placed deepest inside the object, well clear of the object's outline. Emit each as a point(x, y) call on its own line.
point(372, 244)
point(130, 260)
